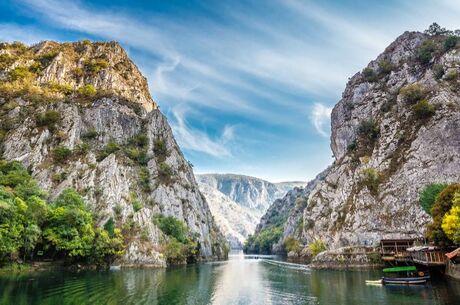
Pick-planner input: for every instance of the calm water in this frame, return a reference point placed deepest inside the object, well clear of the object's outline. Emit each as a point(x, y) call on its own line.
point(237, 281)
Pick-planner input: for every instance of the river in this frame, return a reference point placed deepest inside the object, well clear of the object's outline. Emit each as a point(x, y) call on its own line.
point(239, 280)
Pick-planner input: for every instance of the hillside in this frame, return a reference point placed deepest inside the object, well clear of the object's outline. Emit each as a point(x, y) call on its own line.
point(238, 202)
point(80, 115)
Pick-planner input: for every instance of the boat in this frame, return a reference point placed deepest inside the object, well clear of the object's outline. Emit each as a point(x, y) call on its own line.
point(404, 275)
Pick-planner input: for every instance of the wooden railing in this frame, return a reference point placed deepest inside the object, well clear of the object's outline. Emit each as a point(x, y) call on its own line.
point(429, 257)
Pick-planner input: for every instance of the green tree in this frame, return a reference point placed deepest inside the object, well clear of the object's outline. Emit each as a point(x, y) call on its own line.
point(428, 195)
point(70, 225)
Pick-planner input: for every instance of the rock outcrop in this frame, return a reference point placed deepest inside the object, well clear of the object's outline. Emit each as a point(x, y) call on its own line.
point(395, 130)
point(237, 202)
point(80, 115)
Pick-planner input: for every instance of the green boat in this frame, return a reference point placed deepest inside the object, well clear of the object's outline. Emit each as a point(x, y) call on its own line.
point(404, 275)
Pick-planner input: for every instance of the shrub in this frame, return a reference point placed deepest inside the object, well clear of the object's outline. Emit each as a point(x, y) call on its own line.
point(374, 257)
point(451, 75)
point(108, 149)
point(172, 227)
point(369, 75)
point(90, 134)
point(435, 29)
point(6, 60)
point(20, 73)
point(160, 150)
point(425, 51)
point(442, 205)
point(165, 173)
point(412, 93)
point(450, 42)
point(87, 91)
point(137, 205)
point(292, 244)
point(65, 89)
point(35, 67)
point(369, 130)
point(317, 247)
point(428, 195)
point(371, 178)
point(385, 67)
point(144, 179)
point(95, 65)
point(423, 110)
point(47, 57)
point(49, 118)
point(140, 140)
point(81, 149)
point(438, 71)
point(61, 153)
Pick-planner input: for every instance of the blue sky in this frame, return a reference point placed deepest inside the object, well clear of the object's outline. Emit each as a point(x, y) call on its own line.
point(247, 86)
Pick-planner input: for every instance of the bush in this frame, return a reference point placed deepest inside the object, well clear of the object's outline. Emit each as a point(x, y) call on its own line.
point(140, 140)
point(438, 71)
point(172, 227)
point(451, 75)
point(165, 173)
point(108, 149)
point(144, 179)
point(87, 91)
point(385, 67)
point(425, 51)
point(137, 205)
point(90, 134)
point(369, 130)
point(96, 65)
point(369, 75)
point(61, 153)
point(160, 149)
point(371, 178)
point(412, 93)
point(423, 110)
point(428, 195)
point(49, 118)
point(6, 60)
point(292, 244)
point(442, 205)
point(20, 73)
point(450, 43)
point(317, 247)
point(81, 149)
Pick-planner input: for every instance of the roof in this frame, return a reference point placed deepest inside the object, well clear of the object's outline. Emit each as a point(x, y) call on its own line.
point(422, 248)
point(453, 254)
point(400, 269)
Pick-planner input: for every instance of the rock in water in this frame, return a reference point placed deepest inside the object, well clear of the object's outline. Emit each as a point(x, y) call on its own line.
point(80, 115)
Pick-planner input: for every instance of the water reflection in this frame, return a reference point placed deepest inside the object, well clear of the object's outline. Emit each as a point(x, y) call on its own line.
point(237, 281)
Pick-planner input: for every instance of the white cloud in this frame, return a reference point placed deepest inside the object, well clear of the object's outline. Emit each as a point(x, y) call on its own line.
point(196, 140)
point(321, 117)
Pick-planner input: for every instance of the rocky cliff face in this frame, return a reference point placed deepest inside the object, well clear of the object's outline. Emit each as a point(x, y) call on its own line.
point(395, 130)
point(253, 193)
point(237, 202)
point(286, 213)
point(80, 115)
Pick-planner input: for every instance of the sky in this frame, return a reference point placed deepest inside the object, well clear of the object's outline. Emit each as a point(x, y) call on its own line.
point(247, 86)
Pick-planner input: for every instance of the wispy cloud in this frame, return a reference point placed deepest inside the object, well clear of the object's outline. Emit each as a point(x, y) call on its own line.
point(321, 117)
point(197, 140)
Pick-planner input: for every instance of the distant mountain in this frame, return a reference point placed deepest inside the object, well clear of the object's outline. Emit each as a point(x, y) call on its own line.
point(238, 202)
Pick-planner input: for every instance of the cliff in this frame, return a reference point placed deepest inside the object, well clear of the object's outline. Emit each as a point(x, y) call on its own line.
point(237, 202)
point(395, 130)
point(80, 115)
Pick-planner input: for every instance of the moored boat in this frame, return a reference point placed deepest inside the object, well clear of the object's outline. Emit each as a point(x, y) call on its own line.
point(404, 275)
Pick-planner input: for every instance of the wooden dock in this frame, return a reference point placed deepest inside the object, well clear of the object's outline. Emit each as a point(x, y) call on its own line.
point(406, 251)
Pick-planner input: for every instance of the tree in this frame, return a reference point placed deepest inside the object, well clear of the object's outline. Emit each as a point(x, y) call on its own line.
point(443, 204)
point(105, 247)
point(428, 195)
point(70, 225)
point(435, 29)
point(317, 247)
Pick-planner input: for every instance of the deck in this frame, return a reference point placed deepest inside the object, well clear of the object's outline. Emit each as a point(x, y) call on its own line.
point(406, 251)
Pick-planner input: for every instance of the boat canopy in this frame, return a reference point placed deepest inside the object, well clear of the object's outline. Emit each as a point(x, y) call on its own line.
point(400, 269)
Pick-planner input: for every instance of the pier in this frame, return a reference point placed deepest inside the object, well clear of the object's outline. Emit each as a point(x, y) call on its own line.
point(407, 251)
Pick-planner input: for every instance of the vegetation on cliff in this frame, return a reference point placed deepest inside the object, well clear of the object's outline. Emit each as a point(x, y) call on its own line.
point(31, 226)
